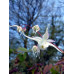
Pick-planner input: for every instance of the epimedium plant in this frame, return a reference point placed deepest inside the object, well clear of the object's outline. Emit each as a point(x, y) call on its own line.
point(43, 44)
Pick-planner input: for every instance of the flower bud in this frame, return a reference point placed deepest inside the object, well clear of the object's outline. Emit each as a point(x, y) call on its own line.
point(35, 50)
point(35, 28)
point(19, 28)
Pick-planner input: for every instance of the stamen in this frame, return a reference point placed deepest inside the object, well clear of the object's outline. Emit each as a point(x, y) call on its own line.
point(42, 46)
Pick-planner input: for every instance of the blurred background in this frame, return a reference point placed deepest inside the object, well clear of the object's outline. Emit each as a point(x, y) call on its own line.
point(30, 13)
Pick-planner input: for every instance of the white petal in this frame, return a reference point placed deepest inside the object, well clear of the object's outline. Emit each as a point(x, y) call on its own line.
point(46, 35)
point(50, 40)
point(13, 26)
point(55, 47)
point(38, 39)
point(46, 44)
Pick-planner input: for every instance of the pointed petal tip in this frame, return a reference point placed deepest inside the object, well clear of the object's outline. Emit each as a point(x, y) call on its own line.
point(50, 40)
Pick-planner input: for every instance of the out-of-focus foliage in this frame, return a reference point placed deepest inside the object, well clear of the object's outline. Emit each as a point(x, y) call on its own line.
point(32, 12)
point(26, 64)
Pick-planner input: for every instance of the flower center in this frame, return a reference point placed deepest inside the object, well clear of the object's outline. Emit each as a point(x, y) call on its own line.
point(42, 46)
point(35, 28)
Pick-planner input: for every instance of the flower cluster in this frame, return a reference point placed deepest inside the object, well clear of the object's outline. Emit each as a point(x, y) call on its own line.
point(43, 42)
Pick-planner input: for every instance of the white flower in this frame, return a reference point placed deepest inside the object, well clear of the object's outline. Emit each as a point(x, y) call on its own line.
point(43, 42)
point(35, 50)
point(35, 28)
point(19, 28)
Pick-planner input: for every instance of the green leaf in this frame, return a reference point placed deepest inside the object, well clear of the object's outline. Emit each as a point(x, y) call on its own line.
point(22, 57)
point(23, 50)
point(53, 71)
point(33, 71)
point(11, 51)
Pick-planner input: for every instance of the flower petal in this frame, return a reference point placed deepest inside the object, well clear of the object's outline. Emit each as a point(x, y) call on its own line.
point(13, 26)
point(50, 40)
point(38, 39)
point(46, 35)
point(55, 47)
point(43, 46)
point(46, 44)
